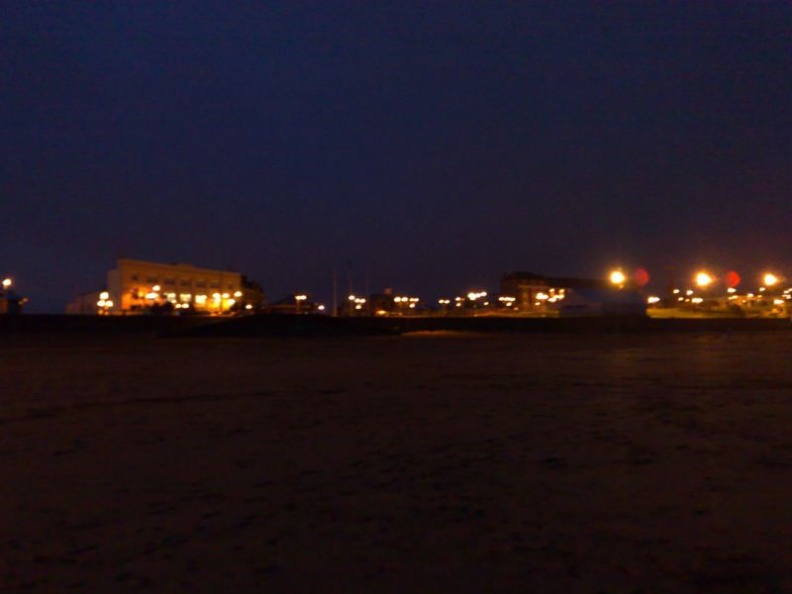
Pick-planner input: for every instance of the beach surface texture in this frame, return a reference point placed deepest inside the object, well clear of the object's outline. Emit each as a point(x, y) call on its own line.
point(429, 462)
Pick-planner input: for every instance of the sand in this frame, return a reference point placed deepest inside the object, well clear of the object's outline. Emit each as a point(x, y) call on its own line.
point(420, 463)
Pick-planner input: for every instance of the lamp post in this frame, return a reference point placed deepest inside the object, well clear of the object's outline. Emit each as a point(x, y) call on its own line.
point(770, 279)
point(704, 281)
point(298, 299)
point(104, 304)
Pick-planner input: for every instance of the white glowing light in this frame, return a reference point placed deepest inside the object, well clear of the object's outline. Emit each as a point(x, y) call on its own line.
point(703, 279)
point(617, 277)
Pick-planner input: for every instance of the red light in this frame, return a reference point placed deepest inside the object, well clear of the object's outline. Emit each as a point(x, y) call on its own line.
point(732, 279)
point(641, 277)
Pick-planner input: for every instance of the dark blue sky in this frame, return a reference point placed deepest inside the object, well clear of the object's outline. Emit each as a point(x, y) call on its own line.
point(429, 146)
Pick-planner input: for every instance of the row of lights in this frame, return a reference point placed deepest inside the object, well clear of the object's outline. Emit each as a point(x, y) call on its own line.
point(104, 304)
point(551, 296)
point(154, 294)
point(702, 278)
point(507, 301)
point(705, 279)
point(357, 302)
point(404, 301)
point(473, 296)
point(300, 298)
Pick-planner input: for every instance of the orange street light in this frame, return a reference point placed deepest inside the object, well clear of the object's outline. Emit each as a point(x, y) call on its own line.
point(703, 279)
point(617, 277)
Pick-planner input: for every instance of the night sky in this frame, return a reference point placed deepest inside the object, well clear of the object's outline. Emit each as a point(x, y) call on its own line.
point(424, 146)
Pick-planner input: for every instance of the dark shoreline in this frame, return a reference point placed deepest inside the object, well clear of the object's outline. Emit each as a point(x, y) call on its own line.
point(310, 325)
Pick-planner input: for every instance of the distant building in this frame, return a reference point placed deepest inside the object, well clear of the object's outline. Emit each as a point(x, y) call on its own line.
point(539, 294)
point(84, 303)
point(137, 286)
point(294, 304)
point(587, 301)
point(383, 304)
point(534, 291)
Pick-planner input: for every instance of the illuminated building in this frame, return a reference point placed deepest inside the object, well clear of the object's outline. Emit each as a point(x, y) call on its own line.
point(535, 292)
point(137, 286)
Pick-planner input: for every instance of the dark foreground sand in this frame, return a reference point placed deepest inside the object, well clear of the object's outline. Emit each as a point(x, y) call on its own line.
point(424, 463)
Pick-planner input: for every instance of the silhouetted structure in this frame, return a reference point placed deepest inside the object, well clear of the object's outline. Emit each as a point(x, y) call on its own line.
point(565, 296)
point(528, 288)
point(10, 302)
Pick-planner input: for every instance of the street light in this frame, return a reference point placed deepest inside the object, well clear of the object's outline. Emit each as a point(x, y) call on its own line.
point(618, 278)
point(703, 279)
point(6, 283)
point(770, 279)
point(104, 304)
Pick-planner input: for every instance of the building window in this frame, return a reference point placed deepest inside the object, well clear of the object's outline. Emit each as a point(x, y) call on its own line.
point(200, 283)
point(185, 282)
point(134, 277)
point(215, 285)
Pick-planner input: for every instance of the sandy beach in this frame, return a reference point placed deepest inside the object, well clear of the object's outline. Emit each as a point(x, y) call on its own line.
point(432, 462)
